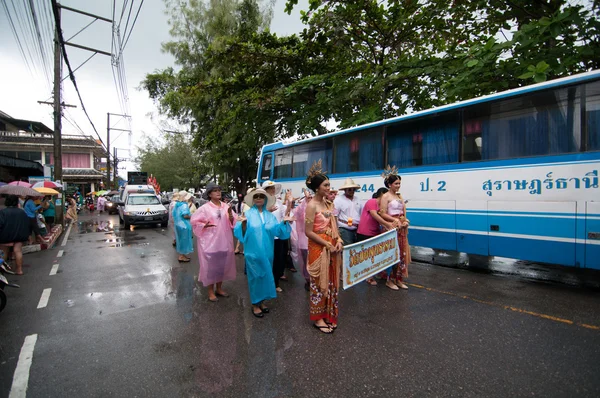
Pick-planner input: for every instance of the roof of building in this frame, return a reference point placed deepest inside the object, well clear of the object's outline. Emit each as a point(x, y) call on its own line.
point(8, 161)
point(68, 172)
point(23, 139)
point(27, 125)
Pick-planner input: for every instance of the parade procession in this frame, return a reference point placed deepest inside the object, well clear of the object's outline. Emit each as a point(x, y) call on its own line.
point(300, 198)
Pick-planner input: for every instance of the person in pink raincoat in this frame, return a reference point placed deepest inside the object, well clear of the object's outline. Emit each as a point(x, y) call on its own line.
point(213, 224)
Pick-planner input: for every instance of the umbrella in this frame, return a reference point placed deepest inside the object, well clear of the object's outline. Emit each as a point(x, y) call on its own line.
point(2, 184)
point(47, 184)
point(47, 191)
point(18, 190)
point(100, 193)
point(110, 193)
point(20, 184)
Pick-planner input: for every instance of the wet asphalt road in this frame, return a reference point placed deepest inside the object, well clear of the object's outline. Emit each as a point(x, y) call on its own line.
point(125, 319)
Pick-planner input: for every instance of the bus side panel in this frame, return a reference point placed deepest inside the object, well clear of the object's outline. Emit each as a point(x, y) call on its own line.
point(592, 229)
point(472, 227)
point(432, 224)
point(534, 231)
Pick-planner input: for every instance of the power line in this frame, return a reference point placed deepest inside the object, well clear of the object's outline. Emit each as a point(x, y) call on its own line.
point(132, 25)
point(71, 74)
point(19, 45)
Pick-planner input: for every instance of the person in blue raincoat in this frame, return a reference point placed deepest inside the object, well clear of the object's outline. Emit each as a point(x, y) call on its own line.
point(183, 228)
point(257, 230)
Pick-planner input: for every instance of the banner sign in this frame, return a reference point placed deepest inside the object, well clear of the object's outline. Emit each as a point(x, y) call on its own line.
point(364, 259)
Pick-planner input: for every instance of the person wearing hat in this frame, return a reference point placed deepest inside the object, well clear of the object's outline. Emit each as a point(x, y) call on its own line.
point(281, 246)
point(213, 223)
point(183, 228)
point(257, 230)
point(348, 210)
point(174, 200)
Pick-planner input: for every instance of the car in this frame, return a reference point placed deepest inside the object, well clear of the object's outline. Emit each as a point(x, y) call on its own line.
point(112, 204)
point(143, 208)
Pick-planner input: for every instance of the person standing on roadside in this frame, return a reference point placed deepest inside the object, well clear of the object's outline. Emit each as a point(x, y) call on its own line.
point(213, 224)
point(348, 211)
point(257, 230)
point(174, 200)
point(183, 228)
point(280, 248)
point(31, 210)
point(50, 211)
point(15, 229)
point(372, 223)
point(324, 253)
point(393, 210)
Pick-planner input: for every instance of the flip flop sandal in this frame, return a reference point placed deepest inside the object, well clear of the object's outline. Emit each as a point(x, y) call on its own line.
point(213, 299)
point(321, 328)
point(222, 294)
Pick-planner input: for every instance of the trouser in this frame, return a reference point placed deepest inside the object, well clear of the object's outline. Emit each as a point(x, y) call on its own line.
point(34, 226)
point(347, 235)
point(279, 255)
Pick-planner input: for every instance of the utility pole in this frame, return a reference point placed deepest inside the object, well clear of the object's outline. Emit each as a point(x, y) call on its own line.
point(116, 180)
point(57, 122)
point(108, 129)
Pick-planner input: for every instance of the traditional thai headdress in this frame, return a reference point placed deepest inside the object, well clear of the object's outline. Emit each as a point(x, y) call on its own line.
point(315, 170)
point(389, 171)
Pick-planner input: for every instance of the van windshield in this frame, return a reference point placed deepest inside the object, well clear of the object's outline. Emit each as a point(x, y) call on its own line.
point(143, 200)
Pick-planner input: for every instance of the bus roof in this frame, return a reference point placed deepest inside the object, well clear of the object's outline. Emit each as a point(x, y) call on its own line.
point(578, 78)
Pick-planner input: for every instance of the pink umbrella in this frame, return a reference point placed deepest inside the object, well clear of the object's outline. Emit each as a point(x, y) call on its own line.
point(47, 184)
point(20, 184)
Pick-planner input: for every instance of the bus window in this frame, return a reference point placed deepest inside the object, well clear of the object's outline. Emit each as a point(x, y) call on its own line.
point(427, 142)
point(544, 123)
point(265, 173)
point(305, 155)
point(592, 111)
point(283, 164)
point(359, 151)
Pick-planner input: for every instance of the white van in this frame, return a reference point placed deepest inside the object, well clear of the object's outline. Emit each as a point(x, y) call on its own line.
point(142, 208)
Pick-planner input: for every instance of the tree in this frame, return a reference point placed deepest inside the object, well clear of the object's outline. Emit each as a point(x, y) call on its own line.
point(227, 133)
point(173, 161)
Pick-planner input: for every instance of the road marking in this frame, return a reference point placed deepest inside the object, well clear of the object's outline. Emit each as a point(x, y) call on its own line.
point(64, 242)
point(60, 253)
point(508, 307)
point(54, 269)
point(44, 299)
point(21, 376)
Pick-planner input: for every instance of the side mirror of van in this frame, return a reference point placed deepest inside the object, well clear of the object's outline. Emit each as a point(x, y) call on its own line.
point(166, 202)
point(120, 203)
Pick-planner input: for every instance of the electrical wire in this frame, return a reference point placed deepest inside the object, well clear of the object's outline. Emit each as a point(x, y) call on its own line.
point(71, 74)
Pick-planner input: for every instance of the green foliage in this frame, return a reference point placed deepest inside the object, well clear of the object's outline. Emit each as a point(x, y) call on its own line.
point(173, 161)
point(240, 86)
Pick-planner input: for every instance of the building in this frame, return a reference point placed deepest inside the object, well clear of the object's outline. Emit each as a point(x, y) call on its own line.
point(29, 146)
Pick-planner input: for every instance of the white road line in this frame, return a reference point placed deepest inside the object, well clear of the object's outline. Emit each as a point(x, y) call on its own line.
point(44, 299)
point(64, 242)
point(54, 269)
point(60, 253)
point(21, 376)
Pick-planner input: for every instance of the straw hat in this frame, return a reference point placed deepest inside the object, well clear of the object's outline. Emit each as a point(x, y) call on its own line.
point(249, 198)
point(269, 183)
point(175, 197)
point(349, 184)
point(184, 196)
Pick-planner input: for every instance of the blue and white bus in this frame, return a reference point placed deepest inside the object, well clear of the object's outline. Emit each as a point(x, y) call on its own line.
point(513, 174)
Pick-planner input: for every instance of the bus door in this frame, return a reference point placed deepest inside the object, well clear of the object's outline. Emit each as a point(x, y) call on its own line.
point(265, 168)
point(592, 235)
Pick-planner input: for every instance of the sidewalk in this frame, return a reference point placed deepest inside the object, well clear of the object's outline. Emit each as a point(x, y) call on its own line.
point(52, 237)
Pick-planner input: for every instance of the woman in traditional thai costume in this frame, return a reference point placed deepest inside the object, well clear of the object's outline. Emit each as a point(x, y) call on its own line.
point(257, 230)
point(324, 253)
point(183, 229)
point(212, 224)
point(393, 209)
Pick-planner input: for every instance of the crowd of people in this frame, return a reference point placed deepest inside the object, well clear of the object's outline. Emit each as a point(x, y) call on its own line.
point(274, 231)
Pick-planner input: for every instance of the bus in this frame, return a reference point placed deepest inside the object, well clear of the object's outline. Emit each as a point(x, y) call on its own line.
point(512, 174)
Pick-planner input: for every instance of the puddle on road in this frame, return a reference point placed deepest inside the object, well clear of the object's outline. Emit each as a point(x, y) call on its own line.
point(90, 226)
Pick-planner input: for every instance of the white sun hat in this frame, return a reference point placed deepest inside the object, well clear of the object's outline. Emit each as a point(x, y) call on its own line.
point(269, 183)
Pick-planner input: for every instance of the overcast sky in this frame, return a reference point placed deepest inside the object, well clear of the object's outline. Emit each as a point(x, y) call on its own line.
point(21, 89)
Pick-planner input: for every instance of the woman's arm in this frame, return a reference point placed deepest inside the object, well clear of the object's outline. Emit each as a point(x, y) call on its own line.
point(380, 220)
point(385, 201)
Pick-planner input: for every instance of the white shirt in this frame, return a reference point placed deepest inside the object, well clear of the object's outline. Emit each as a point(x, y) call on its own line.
point(280, 212)
point(344, 209)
